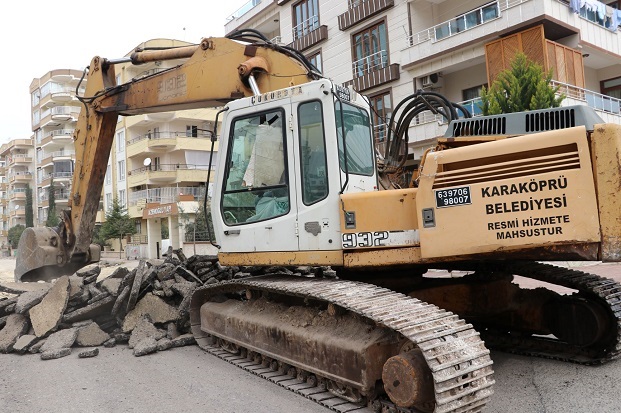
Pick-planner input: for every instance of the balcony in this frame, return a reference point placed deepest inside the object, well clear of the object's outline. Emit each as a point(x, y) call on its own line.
point(469, 31)
point(167, 173)
point(21, 212)
point(360, 10)
point(60, 197)
point(373, 70)
point(21, 176)
point(165, 195)
point(48, 158)
point(154, 142)
point(308, 33)
point(65, 113)
point(246, 12)
point(20, 158)
point(46, 180)
point(59, 135)
point(17, 194)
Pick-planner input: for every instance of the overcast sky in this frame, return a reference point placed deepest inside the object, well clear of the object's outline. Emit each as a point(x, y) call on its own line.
point(43, 35)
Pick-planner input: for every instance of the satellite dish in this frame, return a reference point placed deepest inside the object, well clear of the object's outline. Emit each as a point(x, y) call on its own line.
point(16, 207)
point(146, 162)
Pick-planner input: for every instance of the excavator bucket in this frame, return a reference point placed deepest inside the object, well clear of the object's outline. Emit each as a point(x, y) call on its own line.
point(41, 256)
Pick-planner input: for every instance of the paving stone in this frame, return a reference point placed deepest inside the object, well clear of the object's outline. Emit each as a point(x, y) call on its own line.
point(48, 314)
point(144, 328)
point(60, 339)
point(55, 354)
point(24, 342)
point(157, 309)
point(111, 285)
point(135, 290)
point(76, 287)
point(16, 325)
point(145, 346)
point(29, 299)
point(183, 340)
point(121, 300)
point(89, 352)
point(90, 311)
point(91, 335)
point(37, 346)
point(164, 344)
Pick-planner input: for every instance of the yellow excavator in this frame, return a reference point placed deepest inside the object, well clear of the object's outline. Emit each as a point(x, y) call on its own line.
point(424, 268)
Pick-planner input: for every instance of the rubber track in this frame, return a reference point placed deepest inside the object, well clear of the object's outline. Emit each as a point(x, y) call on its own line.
point(606, 291)
point(459, 361)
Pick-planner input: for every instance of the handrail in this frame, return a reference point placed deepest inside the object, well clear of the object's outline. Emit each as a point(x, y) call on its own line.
point(305, 27)
point(463, 22)
point(377, 60)
point(167, 167)
point(169, 135)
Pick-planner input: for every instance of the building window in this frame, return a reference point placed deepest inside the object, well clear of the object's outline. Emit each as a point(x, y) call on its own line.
point(121, 170)
point(315, 60)
point(120, 141)
point(108, 202)
point(191, 131)
point(472, 99)
point(381, 109)
point(305, 18)
point(370, 49)
point(612, 87)
point(122, 198)
point(108, 176)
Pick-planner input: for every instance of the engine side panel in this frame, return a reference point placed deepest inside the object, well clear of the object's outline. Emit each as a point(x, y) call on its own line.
point(519, 193)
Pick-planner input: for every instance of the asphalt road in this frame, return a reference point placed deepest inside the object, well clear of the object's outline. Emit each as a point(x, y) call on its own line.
point(190, 380)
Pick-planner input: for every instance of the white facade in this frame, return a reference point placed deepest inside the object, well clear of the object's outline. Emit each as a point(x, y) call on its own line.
point(440, 40)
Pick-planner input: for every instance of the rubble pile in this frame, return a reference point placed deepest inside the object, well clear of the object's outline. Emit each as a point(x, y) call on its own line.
point(146, 308)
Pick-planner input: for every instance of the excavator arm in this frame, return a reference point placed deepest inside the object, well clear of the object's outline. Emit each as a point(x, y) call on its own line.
point(215, 72)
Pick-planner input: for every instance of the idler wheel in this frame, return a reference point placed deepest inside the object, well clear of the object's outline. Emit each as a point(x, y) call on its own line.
point(408, 381)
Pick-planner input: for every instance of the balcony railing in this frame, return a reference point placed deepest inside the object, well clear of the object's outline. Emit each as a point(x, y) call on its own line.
point(60, 132)
point(165, 195)
point(168, 168)
point(243, 10)
point(368, 64)
point(588, 12)
point(464, 22)
point(56, 175)
point(597, 101)
point(61, 195)
point(305, 27)
point(169, 135)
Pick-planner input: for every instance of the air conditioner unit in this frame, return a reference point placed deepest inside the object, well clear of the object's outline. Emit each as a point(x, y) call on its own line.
point(432, 80)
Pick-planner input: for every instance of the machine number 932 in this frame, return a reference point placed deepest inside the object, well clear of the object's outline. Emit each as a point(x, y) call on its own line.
point(453, 197)
point(364, 239)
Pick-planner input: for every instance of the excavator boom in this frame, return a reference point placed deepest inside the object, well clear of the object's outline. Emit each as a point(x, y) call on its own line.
point(215, 72)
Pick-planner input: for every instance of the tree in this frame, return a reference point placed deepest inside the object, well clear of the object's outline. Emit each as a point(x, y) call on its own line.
point(52, 218)
point(29, 212)
point(198, 230)
point(14, 234)
point(118, 224)
point(523, 87)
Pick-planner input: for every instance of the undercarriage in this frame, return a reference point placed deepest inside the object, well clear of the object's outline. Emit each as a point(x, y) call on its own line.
point(360, 346)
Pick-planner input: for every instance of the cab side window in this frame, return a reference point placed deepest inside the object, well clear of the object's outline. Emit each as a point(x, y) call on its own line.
point(312, 153)
point(256, 186)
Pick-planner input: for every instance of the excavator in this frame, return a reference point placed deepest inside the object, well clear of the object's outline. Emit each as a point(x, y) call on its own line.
point(423, 269)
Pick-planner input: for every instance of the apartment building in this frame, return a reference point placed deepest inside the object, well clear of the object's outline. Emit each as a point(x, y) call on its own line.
point(389, 49)
point(16, 174)
point(159, 164)
point(55, 109)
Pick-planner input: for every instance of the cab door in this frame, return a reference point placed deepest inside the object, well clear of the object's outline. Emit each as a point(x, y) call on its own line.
point(256, 197)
